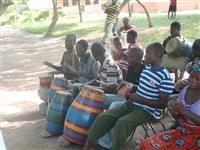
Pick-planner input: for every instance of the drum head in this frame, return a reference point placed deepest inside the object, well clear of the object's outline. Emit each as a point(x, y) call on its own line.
point(63, 92)
point(92, 89)
point(173, 45)
point(46, 77)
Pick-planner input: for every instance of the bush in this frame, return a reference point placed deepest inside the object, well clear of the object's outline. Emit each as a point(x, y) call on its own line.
point(9, 19)
point(42, 15)
point(61, 13)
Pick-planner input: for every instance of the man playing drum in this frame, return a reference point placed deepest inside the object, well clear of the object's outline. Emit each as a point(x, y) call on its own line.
point(89, 68)
point(175, 30)
point(135, 67)
point(177, 49)
point(69, 62)
point(110, 73)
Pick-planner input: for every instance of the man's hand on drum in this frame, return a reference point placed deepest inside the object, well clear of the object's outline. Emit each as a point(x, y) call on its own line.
point(110, 88)
point(120, 85)
point(48, 64)
point(94, 82)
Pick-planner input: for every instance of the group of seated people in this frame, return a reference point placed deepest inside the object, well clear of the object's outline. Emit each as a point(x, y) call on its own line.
point(146, 100)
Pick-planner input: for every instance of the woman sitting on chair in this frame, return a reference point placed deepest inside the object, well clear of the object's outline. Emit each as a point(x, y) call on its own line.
point(186, 110)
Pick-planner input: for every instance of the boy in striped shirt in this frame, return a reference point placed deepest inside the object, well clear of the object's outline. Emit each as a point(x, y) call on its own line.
point(112, 12)
point(155, 86)
point(110, 74)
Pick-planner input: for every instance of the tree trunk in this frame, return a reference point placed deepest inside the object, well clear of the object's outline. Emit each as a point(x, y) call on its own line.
point(54, 20)
point(147, 13)
point(125, 2)
point(4, 6)
point(130, 8)
point(80, 10)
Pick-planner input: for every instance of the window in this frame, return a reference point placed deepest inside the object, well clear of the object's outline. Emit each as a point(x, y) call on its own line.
point(65, 3)
point(74, 2)
point(87, 2)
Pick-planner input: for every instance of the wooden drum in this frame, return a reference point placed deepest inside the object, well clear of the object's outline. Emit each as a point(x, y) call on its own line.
point(82, 113)
point(57, 84)
point(57, 111)
point(45, 83)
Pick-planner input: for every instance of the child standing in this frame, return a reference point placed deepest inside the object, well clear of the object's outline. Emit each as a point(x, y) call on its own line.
point(172, 9)
point(112, 12)
point(126, 26)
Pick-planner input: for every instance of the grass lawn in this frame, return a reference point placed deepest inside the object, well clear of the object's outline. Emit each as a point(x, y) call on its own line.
point(93, 25)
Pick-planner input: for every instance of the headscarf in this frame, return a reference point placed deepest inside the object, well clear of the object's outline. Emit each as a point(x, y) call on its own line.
point(196, 66)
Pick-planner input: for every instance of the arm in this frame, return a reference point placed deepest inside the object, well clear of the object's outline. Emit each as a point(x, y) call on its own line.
point(120, 30)
point(94, 70)
point(194, 118)
point(58, 68)
point(76, 63)
point(166, 41)
point(161, 103)
point(176, 108)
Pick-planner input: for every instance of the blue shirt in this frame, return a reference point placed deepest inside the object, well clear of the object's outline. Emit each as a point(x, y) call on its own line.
point(88, 69)
point(152, 82)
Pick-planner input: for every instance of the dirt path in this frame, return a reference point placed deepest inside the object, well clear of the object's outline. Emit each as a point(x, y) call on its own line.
point(22, 55)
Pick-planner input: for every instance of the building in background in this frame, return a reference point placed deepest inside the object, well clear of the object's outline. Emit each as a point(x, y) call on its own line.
point(96, 5)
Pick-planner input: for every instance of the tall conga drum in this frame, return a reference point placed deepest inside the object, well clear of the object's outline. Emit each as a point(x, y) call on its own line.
point(57, 84)
point(45, 83)
point(82, 113)
point(178, 47)
point(57, 111)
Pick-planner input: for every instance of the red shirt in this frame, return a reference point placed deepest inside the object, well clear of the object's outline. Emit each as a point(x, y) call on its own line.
point(136, 44)
point(172, 2)
point(128, 27)
point(118, 56)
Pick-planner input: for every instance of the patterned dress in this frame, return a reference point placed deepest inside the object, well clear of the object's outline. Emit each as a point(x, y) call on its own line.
point(186, 137)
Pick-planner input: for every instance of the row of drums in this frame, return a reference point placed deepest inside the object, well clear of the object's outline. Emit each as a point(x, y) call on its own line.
point(72, 117)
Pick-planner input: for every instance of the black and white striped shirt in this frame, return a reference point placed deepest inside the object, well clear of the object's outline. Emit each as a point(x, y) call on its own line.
point(110, 72)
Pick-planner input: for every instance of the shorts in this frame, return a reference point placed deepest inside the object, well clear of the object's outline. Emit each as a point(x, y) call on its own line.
point(172, 8)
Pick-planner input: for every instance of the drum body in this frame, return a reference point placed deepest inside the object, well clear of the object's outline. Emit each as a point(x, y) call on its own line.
point(45, 83)
point(57, 84)
point(82, 113)
point(57, 111)
point(178, 47)
point(45, 80)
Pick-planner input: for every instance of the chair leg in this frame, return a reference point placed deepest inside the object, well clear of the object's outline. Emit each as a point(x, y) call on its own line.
point(152, 128)
point(132, 136)
point(163, 126)
point(146, 130)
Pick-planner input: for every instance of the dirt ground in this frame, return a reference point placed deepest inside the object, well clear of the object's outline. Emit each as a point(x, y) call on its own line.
point(22, 55)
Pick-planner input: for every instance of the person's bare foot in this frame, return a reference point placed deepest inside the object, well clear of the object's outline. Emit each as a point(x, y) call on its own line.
point(45, 134)
point(63, 142)
point(88, 145)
